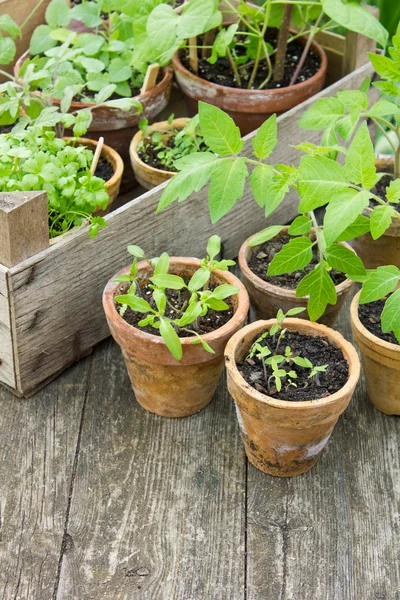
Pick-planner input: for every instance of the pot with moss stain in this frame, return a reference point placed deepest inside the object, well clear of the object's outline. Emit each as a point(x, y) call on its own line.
point(381, 362)
point(148, 176)
point(248, 108)
point(118, 126)
point(285, 438)
point(267, 298)
point(386, 249)
point(162, 384)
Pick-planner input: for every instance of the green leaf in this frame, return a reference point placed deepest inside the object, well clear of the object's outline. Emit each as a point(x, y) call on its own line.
point(393, 191)
point(381, 219)
point(196, 18)
point(342, 211)
point(221, 43)
point(162, 265)
point(192, 313)
point(7, 24)
point(294, 256)
point(322, 113)
point(226, 186)
point(7, 50)
point(88, 13)
point(92, 64)
point(136, 251)
point(265, 139)
point(261, 179)
point(343, 259)
point(383, 108)
point(58, 13)
point(354, 17)
point(41, 40)
point(360, 159)
point(266, 234)
point(390, 318)
point(171, 282)
point(379, 284)
point(385, 67)
point(219, 130)
point(134, 302)
point(216, 304)
point(198, 279)
point(320, 289)
point(224, 291)
point(171, 338)
point(359, 227)
point(213, 246)
point(119, 70)
point(353, 99)
point(300, 226)
point(320, 179)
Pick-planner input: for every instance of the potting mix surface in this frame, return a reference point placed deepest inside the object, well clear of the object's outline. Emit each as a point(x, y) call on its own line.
point(104, 169)
point(380, 189)
point(319, 350)
point(148, 151)
point(370, 317)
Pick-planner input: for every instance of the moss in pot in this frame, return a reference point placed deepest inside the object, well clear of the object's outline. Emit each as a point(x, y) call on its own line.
point(172, 318)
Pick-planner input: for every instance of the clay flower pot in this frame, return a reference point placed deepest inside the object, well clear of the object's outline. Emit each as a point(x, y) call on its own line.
point(381, 362)
point(285, 438)
point(118, 126)
point(248, 108)
point(162, 384)
point(149, 177)
point(386, 249)
point(267, 298)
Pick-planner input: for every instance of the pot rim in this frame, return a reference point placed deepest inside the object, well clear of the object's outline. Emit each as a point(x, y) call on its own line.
point(265, 286)
point(108, 150)
point(243, 304)
point(363, 331)
point(347, 349)
point(178, 66)
point(180, 123)
point(155, 91)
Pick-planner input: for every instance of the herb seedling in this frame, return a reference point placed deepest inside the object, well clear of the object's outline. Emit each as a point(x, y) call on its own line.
point(186, 316)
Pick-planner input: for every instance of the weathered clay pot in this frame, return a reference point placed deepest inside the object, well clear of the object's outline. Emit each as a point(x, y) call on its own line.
point(267, 298)
point(118, 126)
point(248, 108)
point(285, 438)
point(386, 249)
point(162, 384)
point(146, 175)
point(381, 362)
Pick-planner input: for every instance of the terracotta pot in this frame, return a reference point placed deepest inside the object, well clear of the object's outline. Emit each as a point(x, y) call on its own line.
point(149, 177)
point(118, 126)
point(248, 108)
point(162, 384)
point(285, 438)
point(267, 298)
point(381, 362)
point(113, 184)
point(386, 249)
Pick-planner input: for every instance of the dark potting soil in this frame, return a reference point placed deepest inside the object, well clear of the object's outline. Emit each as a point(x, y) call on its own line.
point(370, 317)
point(263, 255)
point(6, 128)
point(221, 72)
point(212, 321)
point(148, 153)
point(380, 189)
point(319, 350)
point(104, 169)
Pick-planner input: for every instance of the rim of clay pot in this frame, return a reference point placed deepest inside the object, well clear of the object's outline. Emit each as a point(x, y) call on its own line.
point(307, 328)
point(264, 286)
point(243, 304)
point(76, 105)
point(161, 126)
point(273, 94)
point(380, 346)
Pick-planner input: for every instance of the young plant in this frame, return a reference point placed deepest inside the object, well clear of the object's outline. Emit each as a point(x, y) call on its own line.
point(187, 314)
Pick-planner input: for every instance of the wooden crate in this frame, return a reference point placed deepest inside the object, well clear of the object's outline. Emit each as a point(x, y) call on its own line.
point(50, 302)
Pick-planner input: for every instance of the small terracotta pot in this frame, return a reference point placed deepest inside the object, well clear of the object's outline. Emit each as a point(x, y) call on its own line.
point(162, 384)
point(248, 108)
point(118, 126)
point(267, 298)
point(386, 249)
point(149, 177)
point(381, 362)
point(285, 438)
point(113, 184)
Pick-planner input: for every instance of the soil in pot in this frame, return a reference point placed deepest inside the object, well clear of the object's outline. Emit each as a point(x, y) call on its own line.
point(104, 169)
point(318, 350)
point(380, 189)
point(263, 255)
point(370, 317)
point(221, 72)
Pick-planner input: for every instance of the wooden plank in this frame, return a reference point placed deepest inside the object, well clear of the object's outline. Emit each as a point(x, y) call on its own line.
point(7, 369)
point(39, 440)
point(157, 510)
point(357, 47)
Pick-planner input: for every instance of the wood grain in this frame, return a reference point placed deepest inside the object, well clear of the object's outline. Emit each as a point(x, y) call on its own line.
point(157, 510)
point(59, 317)
point(7, 368)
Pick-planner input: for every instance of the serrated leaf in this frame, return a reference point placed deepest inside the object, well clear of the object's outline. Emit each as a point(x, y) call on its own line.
point(322, 113)
point(300, 226)
point(294, 256)
point(88, 13)
point(354, 17)
point(58, 13)
point(385, 67)
point(41, 40)
point(390, 317)
point(393, 191)
point(381, 219)
point(261, 179)
point(320, 179)
point(226, 186)
point(359, 227)
point(171, 339)
point(266, 234)
point(379, 284)
point(7, 50)
point(342, 211)
point(346, 261)
point(9, 25)
point(383, 108)
point(119, 70)
point(320, 289)
point(360, 159)
point(220, 133)
point(265, 139)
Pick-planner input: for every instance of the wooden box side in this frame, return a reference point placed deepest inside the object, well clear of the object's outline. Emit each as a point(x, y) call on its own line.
point(7, 367)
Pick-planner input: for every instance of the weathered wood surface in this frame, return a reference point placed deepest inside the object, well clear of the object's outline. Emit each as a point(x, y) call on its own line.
point(158, 509)
point(7, 370)
point(57, 293)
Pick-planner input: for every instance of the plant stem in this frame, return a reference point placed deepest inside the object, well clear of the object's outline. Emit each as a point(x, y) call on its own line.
point(320, 243)
point(385, 134)
point(234, 68)
point(305, 51)
point(265, 372)
point(282, 43)
point(38, 5)
point(260, 44)
point(397, 156)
